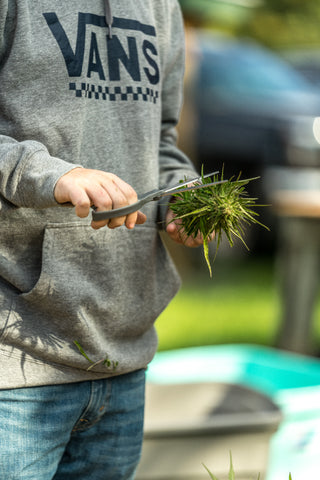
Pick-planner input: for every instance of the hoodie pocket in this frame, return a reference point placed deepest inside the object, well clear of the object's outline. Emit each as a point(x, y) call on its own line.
point(99, 288)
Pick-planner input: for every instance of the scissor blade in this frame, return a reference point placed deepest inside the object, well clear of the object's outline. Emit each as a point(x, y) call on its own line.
point(153, 195)
point(193, 187)
point(192, 180)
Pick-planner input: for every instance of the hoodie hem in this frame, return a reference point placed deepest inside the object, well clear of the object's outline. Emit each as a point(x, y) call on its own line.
point(21, 372)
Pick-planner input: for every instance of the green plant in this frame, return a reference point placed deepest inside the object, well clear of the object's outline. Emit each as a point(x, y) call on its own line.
point(231, 475)
point(224, 207)
point(105, 361)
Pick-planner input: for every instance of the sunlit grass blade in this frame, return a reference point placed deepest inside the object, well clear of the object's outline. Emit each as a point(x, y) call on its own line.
point(210, 474)
point(231, 470)
point(231, 475)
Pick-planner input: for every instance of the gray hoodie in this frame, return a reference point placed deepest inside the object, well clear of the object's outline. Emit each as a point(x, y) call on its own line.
point(77, 92)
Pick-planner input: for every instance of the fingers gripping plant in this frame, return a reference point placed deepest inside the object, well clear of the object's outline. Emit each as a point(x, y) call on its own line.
point(216, 209)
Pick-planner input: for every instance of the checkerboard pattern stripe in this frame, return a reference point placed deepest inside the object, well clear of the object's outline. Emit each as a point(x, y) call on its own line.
point(99, 92)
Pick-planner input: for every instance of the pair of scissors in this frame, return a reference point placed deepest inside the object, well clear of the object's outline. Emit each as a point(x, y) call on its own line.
point(155, 195)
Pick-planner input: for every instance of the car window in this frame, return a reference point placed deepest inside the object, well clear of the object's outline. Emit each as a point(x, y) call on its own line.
point(248, 70)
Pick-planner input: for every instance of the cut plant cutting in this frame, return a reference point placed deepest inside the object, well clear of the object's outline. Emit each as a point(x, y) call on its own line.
point(221, 208)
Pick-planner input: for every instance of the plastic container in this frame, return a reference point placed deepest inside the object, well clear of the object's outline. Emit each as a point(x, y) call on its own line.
point(188, 425)
point(265, 369)
point(258, 403)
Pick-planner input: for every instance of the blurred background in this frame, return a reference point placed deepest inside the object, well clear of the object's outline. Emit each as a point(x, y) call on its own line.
point(252, 105)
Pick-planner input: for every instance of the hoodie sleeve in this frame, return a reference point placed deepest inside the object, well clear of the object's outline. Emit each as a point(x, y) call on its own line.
point(3, 16)
point(28, 174)
point(174, 165)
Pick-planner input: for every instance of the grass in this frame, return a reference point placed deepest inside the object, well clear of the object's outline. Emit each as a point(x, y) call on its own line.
point(240, 304)
point(231, 475)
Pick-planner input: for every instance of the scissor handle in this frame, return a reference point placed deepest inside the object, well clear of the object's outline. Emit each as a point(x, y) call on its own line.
point(124, 211)
point(149, 197)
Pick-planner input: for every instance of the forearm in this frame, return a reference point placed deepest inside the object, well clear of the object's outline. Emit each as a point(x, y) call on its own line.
point(28, 174)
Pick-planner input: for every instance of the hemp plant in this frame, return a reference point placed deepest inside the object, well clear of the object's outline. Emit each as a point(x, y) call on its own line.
point(216, 209)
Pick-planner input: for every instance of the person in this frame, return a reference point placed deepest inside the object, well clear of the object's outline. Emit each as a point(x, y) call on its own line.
point(90, 96)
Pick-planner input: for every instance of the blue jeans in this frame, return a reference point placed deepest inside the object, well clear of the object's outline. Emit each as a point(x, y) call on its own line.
point(83, 431)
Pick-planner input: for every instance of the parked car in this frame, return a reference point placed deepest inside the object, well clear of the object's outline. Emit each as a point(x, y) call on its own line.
point(306, 61)
point(249, 105)
point(253, 110)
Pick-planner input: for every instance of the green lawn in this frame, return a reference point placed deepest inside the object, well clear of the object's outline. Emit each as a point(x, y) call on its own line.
point(240, 304)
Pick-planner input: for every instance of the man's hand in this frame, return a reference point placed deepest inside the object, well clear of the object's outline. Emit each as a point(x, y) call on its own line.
point(178, 235)
point(85, 187)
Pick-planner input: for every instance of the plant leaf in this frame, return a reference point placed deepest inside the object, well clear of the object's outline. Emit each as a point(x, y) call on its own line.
point(231, 471)
point(82, 351)
point(206, 254)
point(210, 474)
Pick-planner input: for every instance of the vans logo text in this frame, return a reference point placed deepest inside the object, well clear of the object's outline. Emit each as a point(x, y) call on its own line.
point(137, 56)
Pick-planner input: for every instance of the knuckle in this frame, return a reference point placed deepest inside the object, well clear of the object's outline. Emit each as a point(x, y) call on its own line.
point(83, 203)
point(116, 222)
point(133, 197)
point(107, 204)
point(100, 224)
